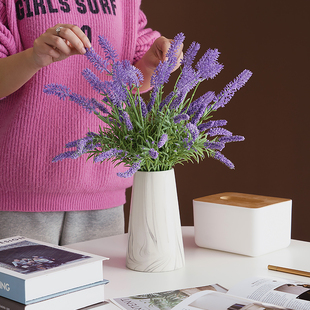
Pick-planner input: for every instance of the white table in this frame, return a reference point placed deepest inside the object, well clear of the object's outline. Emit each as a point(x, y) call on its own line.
point(202, 266)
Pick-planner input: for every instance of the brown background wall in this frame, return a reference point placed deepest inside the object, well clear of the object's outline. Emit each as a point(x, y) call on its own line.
point(270, 38)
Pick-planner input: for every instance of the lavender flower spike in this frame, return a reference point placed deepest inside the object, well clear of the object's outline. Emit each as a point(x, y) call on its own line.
point(175, 45)
point(210, 124)
point(214, 145)
point(109, 51)
point(99, 63)
point(106, 155)
point(130, 172)
point(143, 107)
point(57, 89)
point(163, 139)
point(219, 156)
point(181, 117)
point(68, 154)
point(99, 106)
point(193, 130)
point(190, 54)
point(153, 153)
point(93, 80)
point(230, 89)
point(208, 67)
point(218, 131)
point(227, 139)
point(127, 120)
point(82, 101)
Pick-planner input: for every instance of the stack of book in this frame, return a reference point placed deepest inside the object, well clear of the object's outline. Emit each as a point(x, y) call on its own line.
point(35, 275)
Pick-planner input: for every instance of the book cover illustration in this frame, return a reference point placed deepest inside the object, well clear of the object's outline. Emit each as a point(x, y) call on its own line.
point(26, 256)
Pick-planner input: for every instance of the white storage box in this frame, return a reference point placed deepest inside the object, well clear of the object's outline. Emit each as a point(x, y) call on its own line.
point(241, 223)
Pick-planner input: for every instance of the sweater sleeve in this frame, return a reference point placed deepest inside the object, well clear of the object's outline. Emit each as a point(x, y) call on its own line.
point(146, 37)
point(9, 38)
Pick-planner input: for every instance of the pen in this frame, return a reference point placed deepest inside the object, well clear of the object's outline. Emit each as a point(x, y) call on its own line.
point(288, 270)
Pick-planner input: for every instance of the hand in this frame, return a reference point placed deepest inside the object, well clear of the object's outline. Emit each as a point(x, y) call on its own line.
point(158, 52)
point(52, 46)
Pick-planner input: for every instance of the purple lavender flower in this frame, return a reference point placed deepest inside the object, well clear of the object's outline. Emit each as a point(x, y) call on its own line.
point(106, 155)
point(193, 130)
point(64, 92)
point(163, 139)
point(188, 80)
point(123, 74)
point(81, 146)
point(196, 104)
point(230, 89)
point(167, 100)
point(196, 118)
point(131, 75)
point(174, 47)
point(190, 54)
point(127, 120)
point(219, 131)
point(210, 124)
point(143, 107)
point(161, 76)
point(99, 63)
point(178, 99)
point(93, 80)
point(71, 144)
point(114, 93)
point(163, 70)
point(181, 117)
point(99, 106)
point(119, 83)
point(57, 89)
point(208, 67)
point(153, 153)
point(77, 143)
point(228, 139)
point(219, 156)
point(130, 172)
point(214, 145)
point(82, 101)
point(68, 154)
point(109, 51)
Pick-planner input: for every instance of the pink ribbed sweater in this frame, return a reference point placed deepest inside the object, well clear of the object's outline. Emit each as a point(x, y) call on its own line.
point(34, 127)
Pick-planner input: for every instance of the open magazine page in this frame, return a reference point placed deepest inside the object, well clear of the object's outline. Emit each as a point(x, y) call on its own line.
point(162, 300)
point(209, 300)
point(282, 292)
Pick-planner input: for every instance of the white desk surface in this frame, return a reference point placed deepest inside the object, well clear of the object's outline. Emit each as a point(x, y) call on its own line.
point(202, 266)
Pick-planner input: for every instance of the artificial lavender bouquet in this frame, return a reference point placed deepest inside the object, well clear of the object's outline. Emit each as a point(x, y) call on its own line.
point(157, 134)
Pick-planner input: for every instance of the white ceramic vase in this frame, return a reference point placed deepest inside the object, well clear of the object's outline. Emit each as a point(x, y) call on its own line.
point(155, 241)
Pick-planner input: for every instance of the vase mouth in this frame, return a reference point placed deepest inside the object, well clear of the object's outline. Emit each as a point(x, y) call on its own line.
point(139, 171)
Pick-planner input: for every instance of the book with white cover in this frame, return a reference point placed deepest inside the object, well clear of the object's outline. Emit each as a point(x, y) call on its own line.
point(81, 297)
point(31, 269)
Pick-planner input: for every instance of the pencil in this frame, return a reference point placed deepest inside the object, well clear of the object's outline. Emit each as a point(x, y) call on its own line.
point(288, 270)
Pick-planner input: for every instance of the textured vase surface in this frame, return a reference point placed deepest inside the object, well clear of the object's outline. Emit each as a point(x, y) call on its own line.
point(155, 241)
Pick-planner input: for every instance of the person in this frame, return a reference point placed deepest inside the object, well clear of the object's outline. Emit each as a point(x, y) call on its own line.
point(72, 200)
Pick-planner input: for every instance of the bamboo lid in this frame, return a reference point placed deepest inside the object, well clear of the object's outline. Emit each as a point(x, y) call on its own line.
point(241, 200)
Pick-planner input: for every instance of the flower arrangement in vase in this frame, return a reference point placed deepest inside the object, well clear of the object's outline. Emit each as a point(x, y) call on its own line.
point(153, 136)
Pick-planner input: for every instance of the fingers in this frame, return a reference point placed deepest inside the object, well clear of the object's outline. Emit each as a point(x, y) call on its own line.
point(163, 44)
point(68, 39)
point(72, 36)
point(58, 45)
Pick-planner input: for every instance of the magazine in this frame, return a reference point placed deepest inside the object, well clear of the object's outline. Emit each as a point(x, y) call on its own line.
point(251, 294)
